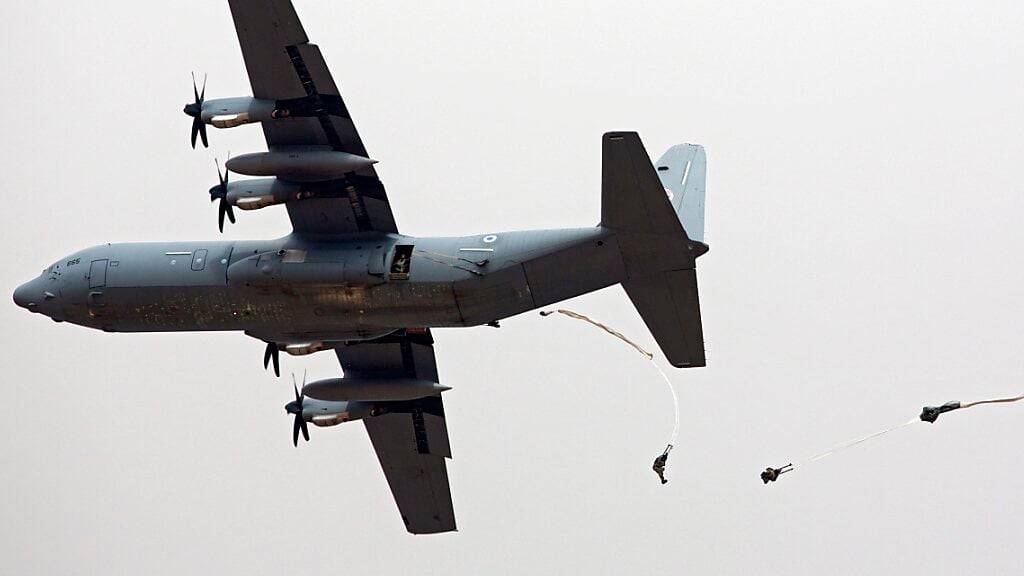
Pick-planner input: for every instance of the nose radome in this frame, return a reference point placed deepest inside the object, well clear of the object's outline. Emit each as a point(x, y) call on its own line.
point(23, 296)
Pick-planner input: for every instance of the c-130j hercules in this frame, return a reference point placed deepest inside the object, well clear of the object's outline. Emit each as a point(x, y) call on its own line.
point(346, 280)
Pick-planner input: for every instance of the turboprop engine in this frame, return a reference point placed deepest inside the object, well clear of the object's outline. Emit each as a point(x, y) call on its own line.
point(231, 112)
point(256, 193)
point(336, 400)
point(252, 194)
point(323, 413)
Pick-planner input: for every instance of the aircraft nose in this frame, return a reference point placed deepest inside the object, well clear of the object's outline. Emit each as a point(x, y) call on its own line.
point(24, 295)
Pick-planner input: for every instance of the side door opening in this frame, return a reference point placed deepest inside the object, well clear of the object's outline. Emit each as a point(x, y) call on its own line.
point(400, 262)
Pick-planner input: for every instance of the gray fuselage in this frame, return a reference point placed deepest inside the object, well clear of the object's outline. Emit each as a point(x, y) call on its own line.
point(298, 289)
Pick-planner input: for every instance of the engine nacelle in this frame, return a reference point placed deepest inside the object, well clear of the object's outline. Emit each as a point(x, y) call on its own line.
point(306, 348)
point(231, 112)
point(258, 193)
point(373, 389)
point(327, 413)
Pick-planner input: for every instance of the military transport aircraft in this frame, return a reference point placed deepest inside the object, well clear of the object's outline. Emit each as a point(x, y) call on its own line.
point(346, 280)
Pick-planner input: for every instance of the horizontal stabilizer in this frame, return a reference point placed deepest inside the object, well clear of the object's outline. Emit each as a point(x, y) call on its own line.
point(668, 303)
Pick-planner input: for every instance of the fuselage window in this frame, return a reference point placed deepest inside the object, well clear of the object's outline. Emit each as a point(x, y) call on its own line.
point(199, 260)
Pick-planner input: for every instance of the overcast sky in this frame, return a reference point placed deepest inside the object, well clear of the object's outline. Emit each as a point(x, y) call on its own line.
point(864, 217)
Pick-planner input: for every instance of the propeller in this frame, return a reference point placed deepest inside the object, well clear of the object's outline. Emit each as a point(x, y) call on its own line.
point(272, 353)
point(220, 191)
point(195, 110)
point(295, 407)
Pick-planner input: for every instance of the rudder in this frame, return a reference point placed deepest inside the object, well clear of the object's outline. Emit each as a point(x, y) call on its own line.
point(682, 170)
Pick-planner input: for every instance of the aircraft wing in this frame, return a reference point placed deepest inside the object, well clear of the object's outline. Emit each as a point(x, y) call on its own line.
point(411, 439)
point(283, 65)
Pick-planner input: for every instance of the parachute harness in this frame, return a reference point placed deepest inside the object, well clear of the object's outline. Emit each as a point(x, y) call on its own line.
point(928, 414)
point(660, 461)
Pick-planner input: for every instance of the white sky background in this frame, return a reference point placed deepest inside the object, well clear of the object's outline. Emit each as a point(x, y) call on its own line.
point(864, 217)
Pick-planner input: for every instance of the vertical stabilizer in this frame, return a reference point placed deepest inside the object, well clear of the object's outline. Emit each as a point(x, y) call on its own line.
point(657, 214)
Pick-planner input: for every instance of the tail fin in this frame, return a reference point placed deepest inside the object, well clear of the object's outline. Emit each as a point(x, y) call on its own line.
point(658, 218)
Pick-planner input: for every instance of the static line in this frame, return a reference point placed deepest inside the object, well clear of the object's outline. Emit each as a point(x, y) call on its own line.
point(993, 401)
point(638, 348)
point(854, 442)
point(928, 414)
point(675, 403)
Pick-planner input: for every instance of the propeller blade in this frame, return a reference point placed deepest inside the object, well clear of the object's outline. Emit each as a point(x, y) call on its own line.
point(266, 355)
point(272, 353)
point(222, 178)
point(195, 110)
point(296, 407)
point(221, 191)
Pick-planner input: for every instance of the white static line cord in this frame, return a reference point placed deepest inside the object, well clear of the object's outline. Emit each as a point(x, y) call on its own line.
point(638, 348)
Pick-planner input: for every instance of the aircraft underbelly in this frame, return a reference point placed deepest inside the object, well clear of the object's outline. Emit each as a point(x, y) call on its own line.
point(499, 294)
point(287, 309)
